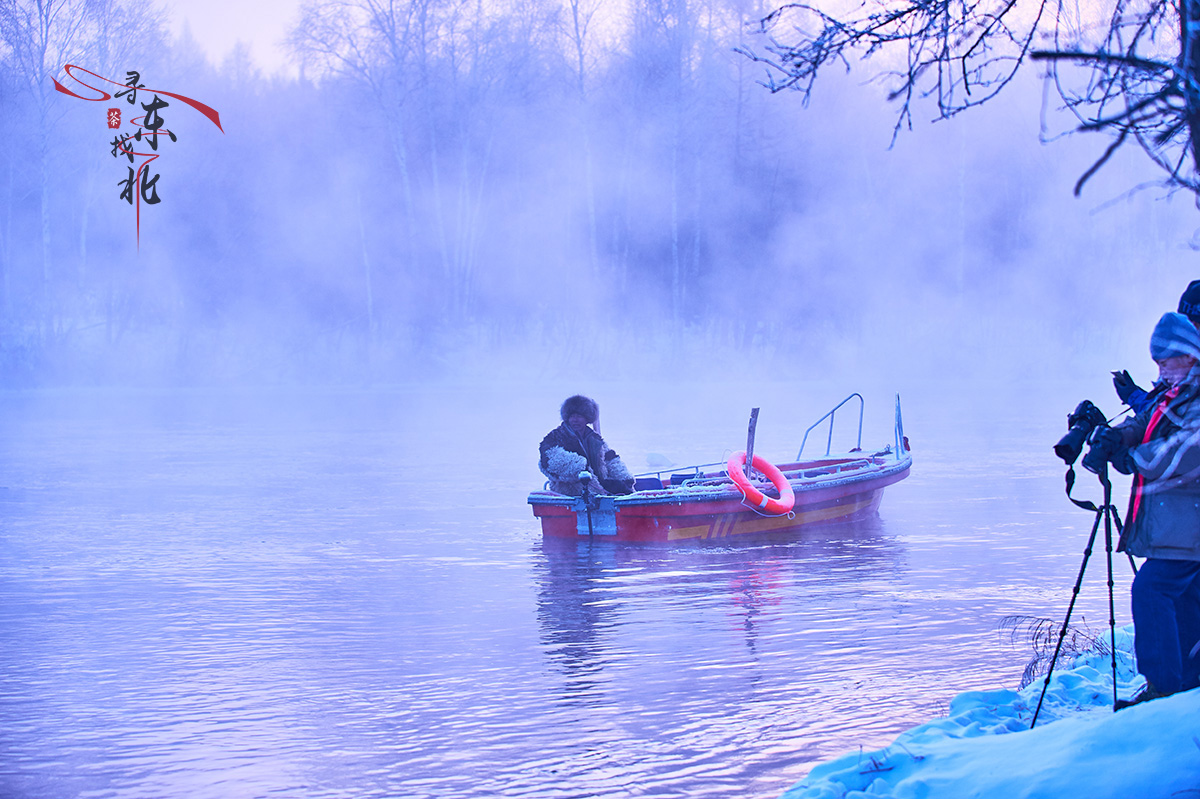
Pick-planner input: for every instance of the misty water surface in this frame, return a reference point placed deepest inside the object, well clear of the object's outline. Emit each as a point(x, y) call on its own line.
point(319, 594)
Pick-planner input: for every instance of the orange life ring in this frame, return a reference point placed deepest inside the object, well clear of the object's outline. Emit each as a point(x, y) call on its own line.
point(757, 499)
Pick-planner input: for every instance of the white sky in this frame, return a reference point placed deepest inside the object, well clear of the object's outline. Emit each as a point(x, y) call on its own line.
point(219, 24)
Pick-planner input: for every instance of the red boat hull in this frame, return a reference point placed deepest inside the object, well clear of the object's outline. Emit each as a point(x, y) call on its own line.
point(838, 493)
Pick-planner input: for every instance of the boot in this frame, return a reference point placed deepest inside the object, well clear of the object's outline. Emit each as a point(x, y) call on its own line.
point(1145, 695)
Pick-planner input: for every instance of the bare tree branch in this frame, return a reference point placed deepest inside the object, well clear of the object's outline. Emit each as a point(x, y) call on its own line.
point(1129, 68)
point(1112, 148)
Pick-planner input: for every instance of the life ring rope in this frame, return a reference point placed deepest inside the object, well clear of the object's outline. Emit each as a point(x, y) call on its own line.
point(753, 498)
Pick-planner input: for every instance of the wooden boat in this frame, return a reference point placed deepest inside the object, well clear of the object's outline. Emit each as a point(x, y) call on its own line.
point(705, 503)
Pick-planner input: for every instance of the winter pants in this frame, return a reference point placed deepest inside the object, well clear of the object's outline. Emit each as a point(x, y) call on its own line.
point(1166, 621)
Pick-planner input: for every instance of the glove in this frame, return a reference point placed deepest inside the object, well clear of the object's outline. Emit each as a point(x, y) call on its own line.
point(1124, 385)
point(1123, 463)
point(1105, 443)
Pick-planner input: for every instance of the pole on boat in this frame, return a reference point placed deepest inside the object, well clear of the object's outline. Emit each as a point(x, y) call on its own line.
point(750, 443)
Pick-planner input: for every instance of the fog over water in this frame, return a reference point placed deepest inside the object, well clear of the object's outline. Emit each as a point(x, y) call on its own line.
point(263, 475)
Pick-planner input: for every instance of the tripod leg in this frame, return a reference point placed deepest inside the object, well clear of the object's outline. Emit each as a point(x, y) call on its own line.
point(1109, 515)
point(1087, 553)
point(1121, 532)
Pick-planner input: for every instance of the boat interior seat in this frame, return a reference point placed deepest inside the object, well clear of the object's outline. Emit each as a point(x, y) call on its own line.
point(647, 484)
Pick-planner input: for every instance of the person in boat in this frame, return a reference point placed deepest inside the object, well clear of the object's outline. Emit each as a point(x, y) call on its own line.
point(1133, 395)
point(1161, 449)
point(575, 446)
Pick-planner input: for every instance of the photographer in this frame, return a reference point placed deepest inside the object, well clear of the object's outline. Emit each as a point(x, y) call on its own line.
point(1161, 448)
point(1133, 395)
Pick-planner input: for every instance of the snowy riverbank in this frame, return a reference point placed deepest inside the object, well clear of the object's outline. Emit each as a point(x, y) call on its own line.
point(1079, 747)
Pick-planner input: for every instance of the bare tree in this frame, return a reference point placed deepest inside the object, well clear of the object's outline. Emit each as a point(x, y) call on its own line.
point(578, 28)
point(1128, 68)
point(435, 68)
point(663, 46)
point(38, 38)
point(369, 43)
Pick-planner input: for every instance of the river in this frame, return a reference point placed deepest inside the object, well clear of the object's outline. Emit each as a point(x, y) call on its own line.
point(342, 593)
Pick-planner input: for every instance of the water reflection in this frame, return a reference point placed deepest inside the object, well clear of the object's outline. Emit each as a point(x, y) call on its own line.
point(595, 598)
point(571, 614)
point(753, 593)
point(708, 656)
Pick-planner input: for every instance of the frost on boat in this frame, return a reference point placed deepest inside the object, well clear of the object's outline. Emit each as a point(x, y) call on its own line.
point(719, 501)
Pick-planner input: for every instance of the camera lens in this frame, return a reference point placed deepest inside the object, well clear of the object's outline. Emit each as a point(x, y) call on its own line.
point(1070, 445)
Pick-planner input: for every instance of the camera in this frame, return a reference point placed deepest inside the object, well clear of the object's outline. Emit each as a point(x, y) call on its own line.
point(1086, 418)
point(1099, 453)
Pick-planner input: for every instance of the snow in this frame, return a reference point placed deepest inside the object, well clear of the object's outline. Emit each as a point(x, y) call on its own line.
point(984, 749)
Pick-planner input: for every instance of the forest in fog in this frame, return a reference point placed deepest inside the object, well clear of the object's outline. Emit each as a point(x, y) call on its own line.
point(537, 186)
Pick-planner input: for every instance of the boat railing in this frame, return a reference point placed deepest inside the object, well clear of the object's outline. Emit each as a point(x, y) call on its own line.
point(825, 471)
point(830, 416)
point(695, 475)
point(683, 474)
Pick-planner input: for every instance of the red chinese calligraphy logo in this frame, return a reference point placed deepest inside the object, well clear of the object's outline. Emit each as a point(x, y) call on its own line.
point(149, 128)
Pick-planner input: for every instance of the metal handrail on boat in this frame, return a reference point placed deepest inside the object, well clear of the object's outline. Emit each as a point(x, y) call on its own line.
point(825, 471)
point(697, 472)
point(830, 417)
point(679, 471)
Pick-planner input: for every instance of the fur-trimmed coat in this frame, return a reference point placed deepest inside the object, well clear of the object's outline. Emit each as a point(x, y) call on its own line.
point(564, 455)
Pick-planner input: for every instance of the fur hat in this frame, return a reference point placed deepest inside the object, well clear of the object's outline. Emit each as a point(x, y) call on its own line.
point(1174, 335)
point(1189, 301)
point(585, 407)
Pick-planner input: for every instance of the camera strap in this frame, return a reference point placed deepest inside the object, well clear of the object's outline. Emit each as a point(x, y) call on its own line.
point(1087, 504)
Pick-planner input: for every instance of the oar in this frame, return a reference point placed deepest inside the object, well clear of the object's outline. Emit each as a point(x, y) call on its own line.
point(658, 461)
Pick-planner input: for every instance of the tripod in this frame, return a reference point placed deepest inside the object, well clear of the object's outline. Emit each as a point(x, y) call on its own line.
point(1108, 513)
